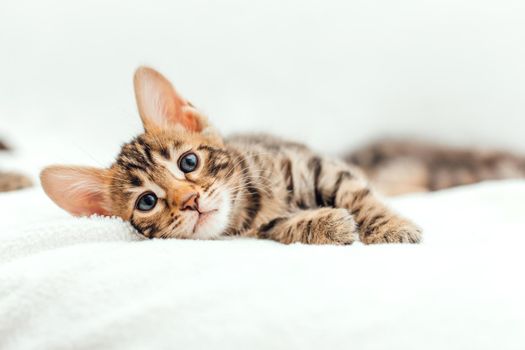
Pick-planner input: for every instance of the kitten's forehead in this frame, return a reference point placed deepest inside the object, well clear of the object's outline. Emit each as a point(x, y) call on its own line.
point(148, 154)
point(145, 150)
point(163, 144)
point(139, 154)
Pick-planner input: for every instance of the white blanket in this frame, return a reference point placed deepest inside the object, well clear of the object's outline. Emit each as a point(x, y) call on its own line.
point(92, 283)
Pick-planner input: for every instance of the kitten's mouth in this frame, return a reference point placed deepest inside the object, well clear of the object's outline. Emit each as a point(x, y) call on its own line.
point(203, 217)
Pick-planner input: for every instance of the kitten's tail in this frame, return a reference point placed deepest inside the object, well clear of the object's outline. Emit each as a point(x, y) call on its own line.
point(3, 146)
point(10, 181)
point(401, 166)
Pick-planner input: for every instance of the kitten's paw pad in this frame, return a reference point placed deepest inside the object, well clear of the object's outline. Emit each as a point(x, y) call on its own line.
point(398, 231)
point(334, 226)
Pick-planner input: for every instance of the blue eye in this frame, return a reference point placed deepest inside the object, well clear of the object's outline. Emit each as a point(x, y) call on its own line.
point(188, 162)
point(147, 201)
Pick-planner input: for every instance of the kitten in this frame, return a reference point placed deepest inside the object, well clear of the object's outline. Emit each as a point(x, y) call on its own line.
point(10, 181)
point(400, 166)
point(181, 179)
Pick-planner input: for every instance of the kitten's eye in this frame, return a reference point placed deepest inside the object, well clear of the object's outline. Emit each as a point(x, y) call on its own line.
point(147, 201)
point(188, 162)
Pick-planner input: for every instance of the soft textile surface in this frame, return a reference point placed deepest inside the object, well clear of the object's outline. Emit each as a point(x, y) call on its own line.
point(91, 283)
point(345, 72)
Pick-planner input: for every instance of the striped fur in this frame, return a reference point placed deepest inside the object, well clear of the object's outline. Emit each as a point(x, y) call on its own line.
point(251, 185)
point(400, 166)
point(278, 190)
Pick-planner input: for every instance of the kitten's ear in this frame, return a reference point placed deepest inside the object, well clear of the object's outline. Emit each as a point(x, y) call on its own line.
point(159, 104)
point(81, 191)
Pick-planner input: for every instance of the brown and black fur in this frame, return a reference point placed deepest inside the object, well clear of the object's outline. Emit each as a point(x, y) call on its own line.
point(252, 185)
point(11, 181)
point(401, 166)
point(282, 191)
point(313, 199)
point(267, 187)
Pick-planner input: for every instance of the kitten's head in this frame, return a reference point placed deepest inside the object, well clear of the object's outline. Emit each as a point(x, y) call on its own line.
point(174, 180)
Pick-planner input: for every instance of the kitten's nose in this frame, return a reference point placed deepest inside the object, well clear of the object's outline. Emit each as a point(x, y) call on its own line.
point(191, 202)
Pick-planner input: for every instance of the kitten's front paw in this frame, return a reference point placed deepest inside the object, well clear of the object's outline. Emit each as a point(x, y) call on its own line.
point(332, 226)
point(317, 226)
point(396, 230)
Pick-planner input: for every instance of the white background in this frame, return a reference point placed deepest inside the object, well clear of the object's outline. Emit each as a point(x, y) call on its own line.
point(331, 73)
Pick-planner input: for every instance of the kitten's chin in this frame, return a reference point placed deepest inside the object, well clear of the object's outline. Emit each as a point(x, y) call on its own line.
point(212, 223)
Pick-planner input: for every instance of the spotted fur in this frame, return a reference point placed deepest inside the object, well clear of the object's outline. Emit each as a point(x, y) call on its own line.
point(247, 185)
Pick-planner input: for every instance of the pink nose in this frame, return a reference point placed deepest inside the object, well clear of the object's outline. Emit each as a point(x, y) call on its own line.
point(191, 202)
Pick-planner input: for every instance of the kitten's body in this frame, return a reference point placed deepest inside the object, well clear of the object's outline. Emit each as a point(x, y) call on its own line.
point(257, 186)
point(182, 179)
point(309, 198)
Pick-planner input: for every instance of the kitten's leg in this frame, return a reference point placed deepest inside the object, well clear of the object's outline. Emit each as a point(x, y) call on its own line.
point(317, 226)
point(343, 186)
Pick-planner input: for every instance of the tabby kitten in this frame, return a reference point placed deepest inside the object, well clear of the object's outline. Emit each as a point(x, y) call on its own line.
point(181, 179)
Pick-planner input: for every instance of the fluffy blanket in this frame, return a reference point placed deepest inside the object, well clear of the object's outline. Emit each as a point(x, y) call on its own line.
point(92, 283)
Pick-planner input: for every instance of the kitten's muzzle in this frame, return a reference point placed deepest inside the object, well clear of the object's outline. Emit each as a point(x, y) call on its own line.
point(191, 202)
